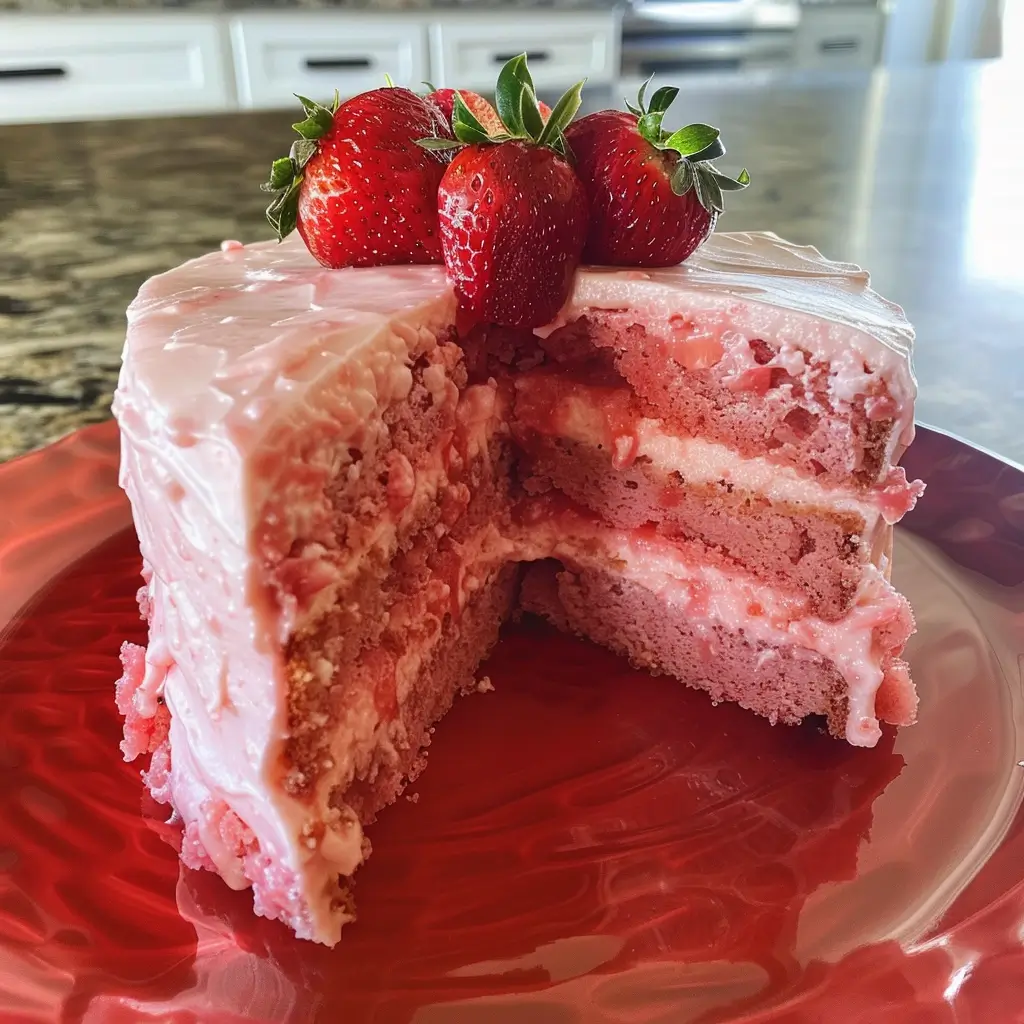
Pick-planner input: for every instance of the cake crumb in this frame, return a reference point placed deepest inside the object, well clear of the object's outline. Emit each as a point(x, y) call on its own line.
point(413, 798)
point(484, 685)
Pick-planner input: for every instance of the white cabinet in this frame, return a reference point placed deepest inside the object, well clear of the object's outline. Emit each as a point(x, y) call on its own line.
point(839, 36)
point(96, 65)
point(467, 50)
point(138, 63)
point(312, 54)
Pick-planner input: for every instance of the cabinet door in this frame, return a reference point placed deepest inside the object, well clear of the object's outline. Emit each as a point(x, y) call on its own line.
point(277, 56)
point(839, 36)
point(73, 67)
point(467, 51)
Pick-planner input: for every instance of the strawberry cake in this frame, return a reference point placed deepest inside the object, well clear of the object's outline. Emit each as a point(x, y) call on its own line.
point(341, 492)
point(349, 464)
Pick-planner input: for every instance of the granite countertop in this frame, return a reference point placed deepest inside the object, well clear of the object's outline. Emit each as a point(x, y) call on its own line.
point(912, 174)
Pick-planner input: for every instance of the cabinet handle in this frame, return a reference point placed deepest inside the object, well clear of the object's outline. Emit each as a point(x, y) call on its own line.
point(835, 45)
point(37, 72)
point(338, 63)
point(537, 56)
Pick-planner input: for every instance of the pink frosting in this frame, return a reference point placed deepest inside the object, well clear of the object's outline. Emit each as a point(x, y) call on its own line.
point(228, 359)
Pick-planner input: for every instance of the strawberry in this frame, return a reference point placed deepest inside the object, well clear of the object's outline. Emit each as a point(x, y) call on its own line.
point(654, 197)
point(512, 212)
point(359, 189)
point(444, 100)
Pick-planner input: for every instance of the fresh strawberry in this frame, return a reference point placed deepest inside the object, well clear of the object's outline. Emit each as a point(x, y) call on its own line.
point(358, 187)
point(654, 197)
point(513, 215)
point(444, 100)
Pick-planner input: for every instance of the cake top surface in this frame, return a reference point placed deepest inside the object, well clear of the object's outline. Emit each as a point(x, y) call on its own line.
point(212, 337)
point(762, 267)
point(211, 340)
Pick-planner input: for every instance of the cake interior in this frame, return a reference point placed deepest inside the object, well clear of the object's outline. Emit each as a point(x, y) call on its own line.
point(708, 510)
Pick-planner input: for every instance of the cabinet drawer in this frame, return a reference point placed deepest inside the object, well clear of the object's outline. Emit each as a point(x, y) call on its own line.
point(313, 55)
point(839, 37)
point(97, 65)
point(467, 52)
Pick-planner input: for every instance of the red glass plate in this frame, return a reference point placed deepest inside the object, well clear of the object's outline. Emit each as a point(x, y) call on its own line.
point(588, 844)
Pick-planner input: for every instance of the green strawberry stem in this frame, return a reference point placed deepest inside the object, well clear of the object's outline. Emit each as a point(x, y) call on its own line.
point(696, 144)
point(516, 101)
point(286, 172)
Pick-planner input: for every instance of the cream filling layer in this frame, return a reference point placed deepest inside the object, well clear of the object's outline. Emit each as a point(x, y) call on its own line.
point(700, 461)
point(708, 594)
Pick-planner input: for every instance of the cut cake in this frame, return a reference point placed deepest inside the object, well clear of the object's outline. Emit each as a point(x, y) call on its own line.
point(341, 490)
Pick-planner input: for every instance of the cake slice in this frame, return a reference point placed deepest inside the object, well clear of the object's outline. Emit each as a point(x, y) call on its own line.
point(338, 484)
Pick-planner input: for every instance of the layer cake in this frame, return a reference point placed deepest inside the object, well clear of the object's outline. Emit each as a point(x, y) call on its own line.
point(342, 488)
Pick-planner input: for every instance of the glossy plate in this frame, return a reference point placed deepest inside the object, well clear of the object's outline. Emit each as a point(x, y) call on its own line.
point(588, 844)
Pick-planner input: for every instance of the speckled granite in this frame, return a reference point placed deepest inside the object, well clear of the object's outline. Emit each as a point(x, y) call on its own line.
point(908, 174)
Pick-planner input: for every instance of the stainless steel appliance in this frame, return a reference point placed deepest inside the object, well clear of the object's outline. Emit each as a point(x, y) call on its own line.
point(684, 36)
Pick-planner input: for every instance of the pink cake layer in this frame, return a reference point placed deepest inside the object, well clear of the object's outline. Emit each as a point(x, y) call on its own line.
point(592, 442)
point(321, 500)
point(761, 345)
point(862, 648)
point(784, 683)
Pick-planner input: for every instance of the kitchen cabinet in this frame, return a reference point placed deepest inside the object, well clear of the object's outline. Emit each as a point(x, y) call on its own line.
point(312, 54)
point(96, 65)
point(563, 47)
point(839, 36)
point(110, 65)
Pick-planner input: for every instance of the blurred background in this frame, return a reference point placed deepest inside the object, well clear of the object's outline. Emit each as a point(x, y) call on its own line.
point(134, 134)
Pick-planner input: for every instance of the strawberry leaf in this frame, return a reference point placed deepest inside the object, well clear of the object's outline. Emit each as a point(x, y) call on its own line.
point(300, 153)
point(318, 118)
point(522, 71)
point(649, 127)
point(281, 173)
point(712, 152)
point(682, 178)
point(692, 140)
point(561, 114)
point(698, 187)
point(727, 184)
point(641, 94)
point(439, 145)
point(284, 209)
point(508, 96)
point(465, 125)
point(662, 99)
point(533, 120)
point(711, 190)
